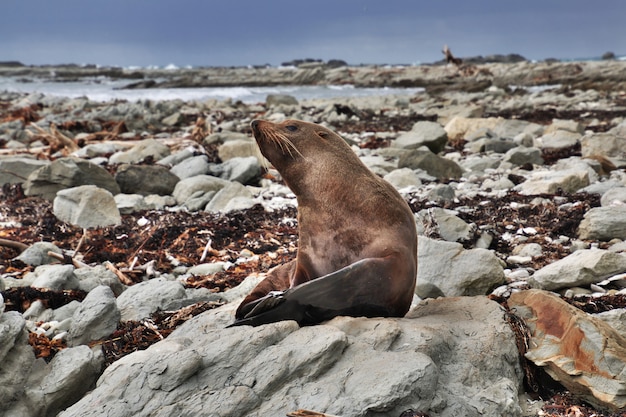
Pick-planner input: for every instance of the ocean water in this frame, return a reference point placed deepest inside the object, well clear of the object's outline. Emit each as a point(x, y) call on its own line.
point(102, 89)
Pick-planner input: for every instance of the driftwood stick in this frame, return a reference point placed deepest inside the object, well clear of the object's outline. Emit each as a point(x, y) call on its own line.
point(67, 142)
point(206, 249)
point(29, 151)
point(308, 413)
point(60, 257)
point(56, 136)
point(123, 278)
point(13, 244)
point(82, 239)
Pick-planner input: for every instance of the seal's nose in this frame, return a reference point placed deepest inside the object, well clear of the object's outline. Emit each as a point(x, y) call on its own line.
point(254, 124)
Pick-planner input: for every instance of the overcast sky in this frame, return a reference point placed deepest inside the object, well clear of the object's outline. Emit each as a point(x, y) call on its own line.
point(246, 32)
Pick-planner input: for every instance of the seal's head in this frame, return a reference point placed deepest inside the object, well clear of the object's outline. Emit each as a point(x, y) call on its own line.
point(301, 151)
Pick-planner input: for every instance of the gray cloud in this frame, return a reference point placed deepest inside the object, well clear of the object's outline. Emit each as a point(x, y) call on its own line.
point(237, 32)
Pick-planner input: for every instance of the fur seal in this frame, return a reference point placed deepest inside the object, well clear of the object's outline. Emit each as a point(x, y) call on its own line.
point(357, 247)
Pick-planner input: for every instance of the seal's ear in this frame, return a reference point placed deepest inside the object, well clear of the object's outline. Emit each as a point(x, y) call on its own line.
point(322, 134)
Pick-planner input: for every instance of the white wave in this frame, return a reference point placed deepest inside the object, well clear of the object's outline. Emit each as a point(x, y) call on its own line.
point(104, 89)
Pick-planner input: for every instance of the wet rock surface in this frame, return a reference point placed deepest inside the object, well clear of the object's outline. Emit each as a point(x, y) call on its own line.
point(528, 207)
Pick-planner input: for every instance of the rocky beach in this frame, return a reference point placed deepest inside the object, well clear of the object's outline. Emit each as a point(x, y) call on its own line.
point(130, 230)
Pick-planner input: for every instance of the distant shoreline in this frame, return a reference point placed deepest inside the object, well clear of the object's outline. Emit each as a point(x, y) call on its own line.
point(479, 59)
point(466, 76)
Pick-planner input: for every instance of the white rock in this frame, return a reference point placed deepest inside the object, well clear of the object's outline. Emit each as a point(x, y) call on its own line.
point(86, 206)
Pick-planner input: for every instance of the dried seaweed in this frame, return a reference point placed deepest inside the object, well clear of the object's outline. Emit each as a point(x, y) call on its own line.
point(132, 336)
point(45, 347)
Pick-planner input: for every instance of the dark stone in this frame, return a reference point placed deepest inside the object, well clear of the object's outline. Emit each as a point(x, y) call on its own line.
point(146, 179)
point(11, 64)
point(434, 165)
point(336, 63)
point(608, 55)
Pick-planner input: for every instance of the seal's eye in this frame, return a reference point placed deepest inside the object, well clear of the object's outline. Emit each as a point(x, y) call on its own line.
point(291, 128)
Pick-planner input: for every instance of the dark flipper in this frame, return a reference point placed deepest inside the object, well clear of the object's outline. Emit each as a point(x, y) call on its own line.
point(360, 289)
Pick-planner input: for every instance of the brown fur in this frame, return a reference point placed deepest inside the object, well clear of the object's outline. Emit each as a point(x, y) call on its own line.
point(345, 214)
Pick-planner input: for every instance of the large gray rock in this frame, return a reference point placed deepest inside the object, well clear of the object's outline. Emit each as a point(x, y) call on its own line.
point(550, 182)
point(143, 299)
point(242, 170)
point(234, 196)
point(566, 125)
point(403, 177)
point(423, 133)
point(198, 185)
point(71, 373)
point(559, 139)
point(146, 179)
point(86, 206)
point(510, 128)
point(607, 144)
point(615, 318)
point(443, 222)
point(459, 127)
point(67, 173)
point(144, 149)
point(446, 268)
point(190, 167)
point(16, 169)
point(495, 145)
point(435, 165)
point(11, 326)
point(92, 277)
point(479, 163)
point(614, 196)
point(522, 155)
point(176, 158)
point(37, 254)
point(604, 223)
point(238, 149)
point(54, 277)
point(347, 367)
point(131, 203)
point(16, 360)
point(581, 268)
point(96, 318)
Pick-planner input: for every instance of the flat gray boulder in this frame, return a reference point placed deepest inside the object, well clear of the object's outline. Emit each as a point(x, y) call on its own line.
point(583, 267)
point(143, 299)
point(550, 182)
point(67, 173)
point(435, 165)
point(238, 169)
point(423, 133)
point(15, 169)
point(144, 149)
point(346, 367)
point(446, 268)
point(190, 167)
point(193, 187)
point(604, 223)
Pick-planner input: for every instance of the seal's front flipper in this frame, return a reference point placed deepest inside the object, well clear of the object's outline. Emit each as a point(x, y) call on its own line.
point(270, 301)
point(360, 289)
